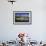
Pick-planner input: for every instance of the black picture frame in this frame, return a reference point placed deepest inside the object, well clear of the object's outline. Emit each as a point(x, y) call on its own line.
point(22, 17)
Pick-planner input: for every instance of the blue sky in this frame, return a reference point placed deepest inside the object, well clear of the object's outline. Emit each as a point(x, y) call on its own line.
point(21, 14)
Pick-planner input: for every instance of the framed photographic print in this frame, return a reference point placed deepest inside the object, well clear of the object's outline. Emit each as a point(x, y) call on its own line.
point(22, 17)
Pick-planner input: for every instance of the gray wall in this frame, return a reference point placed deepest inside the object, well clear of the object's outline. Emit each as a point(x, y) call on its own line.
point(37, 30)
